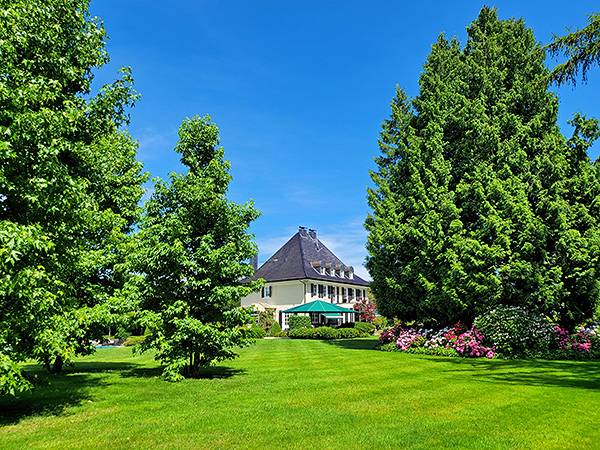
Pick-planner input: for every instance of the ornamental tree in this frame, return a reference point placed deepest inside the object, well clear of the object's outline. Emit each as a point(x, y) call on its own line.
point(365, 310)
point(478, 199)
point(69, 182)
point(191, 253)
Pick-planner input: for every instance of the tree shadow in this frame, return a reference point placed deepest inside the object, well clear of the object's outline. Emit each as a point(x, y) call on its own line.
point(207, 373)
point(355, 344)
point(571, 374)
point(53, 395)
point(219, 372)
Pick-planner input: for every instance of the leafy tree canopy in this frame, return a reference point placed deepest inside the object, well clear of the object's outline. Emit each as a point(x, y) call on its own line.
point(191, 252)
point(479, 200)
point(69, 181)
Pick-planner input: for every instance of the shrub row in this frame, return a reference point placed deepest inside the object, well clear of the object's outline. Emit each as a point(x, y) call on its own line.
point(506, 332)
point(326, 333)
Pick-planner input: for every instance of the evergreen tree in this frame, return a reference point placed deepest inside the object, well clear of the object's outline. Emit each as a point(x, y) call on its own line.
point(191, 253)
point(479, 200)
point(582, 50)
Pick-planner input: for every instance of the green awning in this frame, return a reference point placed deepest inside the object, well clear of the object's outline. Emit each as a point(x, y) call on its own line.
point(319, 306)
point(332, 316)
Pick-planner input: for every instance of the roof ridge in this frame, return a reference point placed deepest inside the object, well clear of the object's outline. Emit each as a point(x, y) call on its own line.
point(302, 254)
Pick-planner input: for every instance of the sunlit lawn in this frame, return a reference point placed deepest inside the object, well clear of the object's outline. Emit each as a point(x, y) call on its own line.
point(311, 394)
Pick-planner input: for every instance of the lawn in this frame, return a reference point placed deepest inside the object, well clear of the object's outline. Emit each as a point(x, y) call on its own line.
point(308, 394)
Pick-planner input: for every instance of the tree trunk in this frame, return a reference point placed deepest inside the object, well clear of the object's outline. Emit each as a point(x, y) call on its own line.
point(58, 363)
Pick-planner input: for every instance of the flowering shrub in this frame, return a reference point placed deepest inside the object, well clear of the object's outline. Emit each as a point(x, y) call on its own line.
point(579, 341)
point(470, 344)
point(456, 341)
point(512, 330)
point(408, 337)
point(390, 335)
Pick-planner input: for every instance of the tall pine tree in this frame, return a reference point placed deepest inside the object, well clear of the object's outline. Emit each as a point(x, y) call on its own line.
point(479, 200)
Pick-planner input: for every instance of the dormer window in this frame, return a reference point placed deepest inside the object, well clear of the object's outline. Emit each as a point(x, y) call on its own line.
point(349, 272)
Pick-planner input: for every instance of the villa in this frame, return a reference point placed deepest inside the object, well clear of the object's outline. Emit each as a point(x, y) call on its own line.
point(304, 271)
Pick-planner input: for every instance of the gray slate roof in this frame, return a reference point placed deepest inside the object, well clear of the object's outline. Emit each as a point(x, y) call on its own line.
point(294, 261)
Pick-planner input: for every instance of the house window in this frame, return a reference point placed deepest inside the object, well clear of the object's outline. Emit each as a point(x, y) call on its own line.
point(321, 291)
point(313, 290)
point(337, 294)
point(350, 294)
point(331, 293)
point(344, 295)
point(266, 292)
point(314, 317)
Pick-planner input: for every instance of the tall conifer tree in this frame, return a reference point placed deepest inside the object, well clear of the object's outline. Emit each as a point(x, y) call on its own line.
point(479, 200)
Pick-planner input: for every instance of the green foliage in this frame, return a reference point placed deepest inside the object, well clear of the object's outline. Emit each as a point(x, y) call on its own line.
point(191, 252)
point(350, 333)
point(275, 329)
point(434, 351)
point(380, 322)
point(513, 330)
point(582, 50)
point(326, 333)
point(365, 327)
point(280, 334)
point(479, 200)
point(257, 332)
point(12, 380)
point(299, 322)
point(69, 182)
point(133, 341)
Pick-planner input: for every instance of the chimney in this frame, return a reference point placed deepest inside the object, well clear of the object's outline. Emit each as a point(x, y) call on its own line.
point(303, 231)
point(254, 261)
point(312, 233)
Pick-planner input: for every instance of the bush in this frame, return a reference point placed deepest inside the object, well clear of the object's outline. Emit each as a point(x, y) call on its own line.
point(299, 322)
point(275, 328)
point(134, 340)
point(257, 332)
point(350, 333)
point(300, 333)
point(513, 330)
point(326, 333)
point(280, 334)
point(366, 327)
point(434, 351)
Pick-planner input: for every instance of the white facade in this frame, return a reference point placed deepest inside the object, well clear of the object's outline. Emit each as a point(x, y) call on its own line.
point(282, 295)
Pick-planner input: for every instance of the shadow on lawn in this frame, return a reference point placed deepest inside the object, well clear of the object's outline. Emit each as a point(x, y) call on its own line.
point(572, 374)
point(354, 344)
point(54, 395)
point(207, 373)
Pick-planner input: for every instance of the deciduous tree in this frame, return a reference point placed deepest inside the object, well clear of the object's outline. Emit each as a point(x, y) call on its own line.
point(69, 180)
point(192, 252)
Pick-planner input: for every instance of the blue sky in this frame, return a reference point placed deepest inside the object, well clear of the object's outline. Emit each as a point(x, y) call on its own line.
point(299, 90)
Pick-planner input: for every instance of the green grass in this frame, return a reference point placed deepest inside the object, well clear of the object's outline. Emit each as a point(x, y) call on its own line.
point(304, 394)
